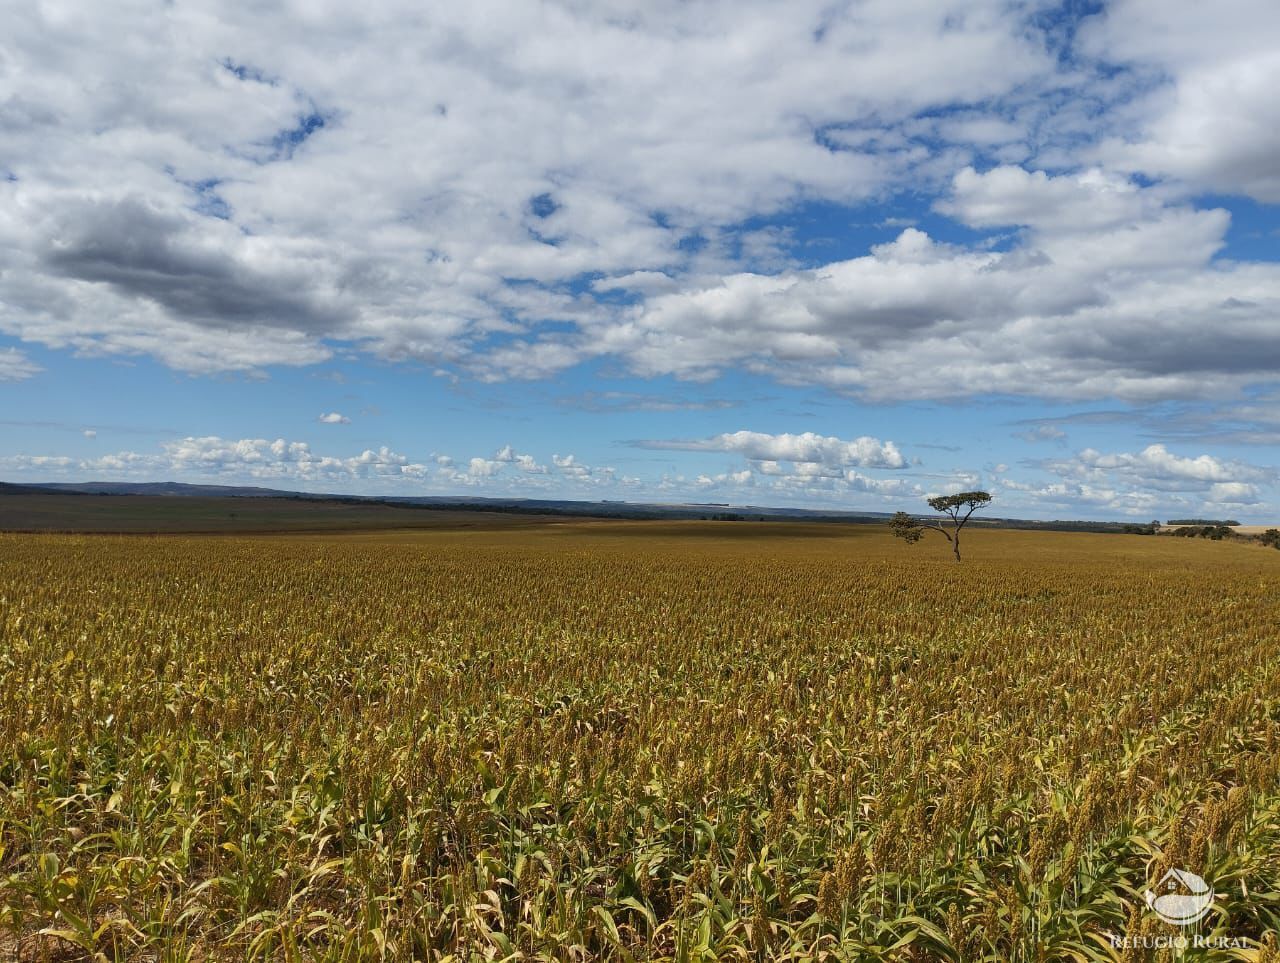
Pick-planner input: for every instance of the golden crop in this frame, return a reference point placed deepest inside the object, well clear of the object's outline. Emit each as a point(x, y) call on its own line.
point(579, 742)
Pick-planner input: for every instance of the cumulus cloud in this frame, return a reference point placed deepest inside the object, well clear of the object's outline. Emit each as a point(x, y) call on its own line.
point(1157, 467)
point(334, 418)
point(211, 457)
point(39, 463)
point(1233, 493)
point(807, 448)
point(1075, 498)
point(525, 463)
point(250, 187)
point(1092, 200)
point(511, 472)
point(798, 467)
point(805, 483)
point(1124, 302)
point(483, 467)
point(1211, 119)
point(293, 462)
point(1154, 479)
point(260, 458)
point(569, 466)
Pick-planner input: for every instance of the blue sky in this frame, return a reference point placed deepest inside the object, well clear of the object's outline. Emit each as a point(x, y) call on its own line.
point(837, 256)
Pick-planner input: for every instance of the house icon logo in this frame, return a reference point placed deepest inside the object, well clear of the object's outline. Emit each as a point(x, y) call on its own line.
point(1183, 898)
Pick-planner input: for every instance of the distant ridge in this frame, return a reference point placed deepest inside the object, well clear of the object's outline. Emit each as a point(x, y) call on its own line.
point(8, 488)
point(162, 488)
point(159, 493)
point(604, 508)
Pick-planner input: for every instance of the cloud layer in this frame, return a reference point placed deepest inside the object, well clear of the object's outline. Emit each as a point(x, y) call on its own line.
point(249, 186)
point(506, 191)
point(799, 469)
point(1106, 291)
point(1214, 123)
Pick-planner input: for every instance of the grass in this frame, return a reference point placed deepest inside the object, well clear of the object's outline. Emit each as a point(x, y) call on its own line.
point(633, 741)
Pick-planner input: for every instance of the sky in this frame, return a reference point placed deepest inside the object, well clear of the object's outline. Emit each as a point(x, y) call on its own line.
point(839, 255)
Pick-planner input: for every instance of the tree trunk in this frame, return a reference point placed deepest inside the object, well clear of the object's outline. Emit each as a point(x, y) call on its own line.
point(955, 546)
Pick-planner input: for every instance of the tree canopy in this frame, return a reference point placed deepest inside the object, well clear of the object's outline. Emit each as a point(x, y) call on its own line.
point(957, 507)
point(952, 504)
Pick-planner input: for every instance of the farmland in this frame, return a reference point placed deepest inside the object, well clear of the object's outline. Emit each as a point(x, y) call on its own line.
point(38, 510)
point(603, 740)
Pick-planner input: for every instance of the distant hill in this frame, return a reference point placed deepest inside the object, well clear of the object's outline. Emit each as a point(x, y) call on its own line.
point(162, 488)
point(536, 506)
point(178, 506)
point(7, 488)
point(34, 510)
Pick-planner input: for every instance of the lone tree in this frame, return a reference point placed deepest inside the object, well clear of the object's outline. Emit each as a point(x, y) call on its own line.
point(957, 507)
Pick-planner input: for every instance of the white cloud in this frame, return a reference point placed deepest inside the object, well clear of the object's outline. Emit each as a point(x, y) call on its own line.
point(1214, 122)
point(799, 468)
point(38, 463)
point(89, 433)
point(233, 188)
point(511, 472)
point(262, 459)
point(525, 463)
point(806, 448)
point(334, 418)
point(1090, 201)
point(805, 483)
point(1220, 130)
point(569, 466)
point(1123, 300)
point(1152, 481)
point(483, 467)
point(1075, 499)
point(1155, 466)
point(16, 366)
point(247, 459)
point(1233, 493)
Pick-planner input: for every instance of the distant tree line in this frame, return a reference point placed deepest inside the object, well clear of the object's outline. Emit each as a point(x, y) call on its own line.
point(1201, 521)
point(1151, 528)
point(1215, 532)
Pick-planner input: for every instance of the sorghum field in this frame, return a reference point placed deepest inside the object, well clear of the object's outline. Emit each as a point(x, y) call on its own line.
point(634, 741)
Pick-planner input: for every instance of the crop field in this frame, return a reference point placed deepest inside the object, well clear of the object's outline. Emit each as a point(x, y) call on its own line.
point(635, 741)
